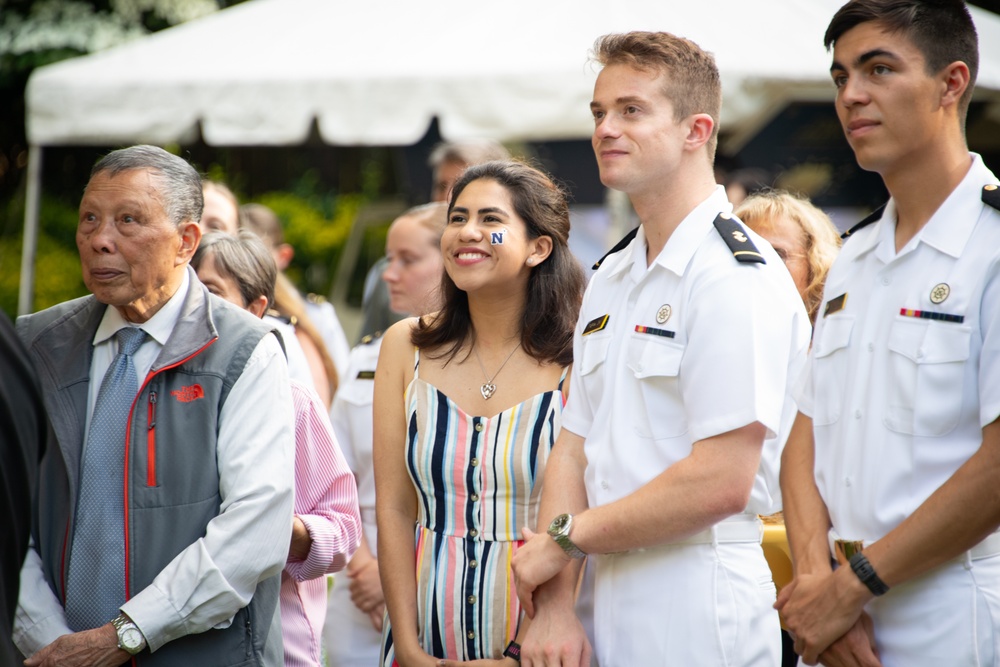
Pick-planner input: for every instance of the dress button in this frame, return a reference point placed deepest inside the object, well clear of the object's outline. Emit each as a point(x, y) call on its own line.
point(857, 414)
point(471, 599)
point(471, 634)
point(479, 427)
point(473, 564)
point(474, 497)
point(871, 347)
point(847, 481)
point(920, 353)
point(605, 485)
point(473, 533)
point(886, 280)
point(474, 462)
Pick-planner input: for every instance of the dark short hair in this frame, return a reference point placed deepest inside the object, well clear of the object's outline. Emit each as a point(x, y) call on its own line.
point(692, 78)
point(555, 287)
point(942, 30)
point(179, 183)
point(467, 151)
point(244, 259)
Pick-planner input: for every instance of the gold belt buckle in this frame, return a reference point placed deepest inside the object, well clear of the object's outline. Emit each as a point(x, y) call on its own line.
point(844, 549)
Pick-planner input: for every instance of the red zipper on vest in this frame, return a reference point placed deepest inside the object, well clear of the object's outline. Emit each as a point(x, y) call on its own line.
point(151, 442)
point(152, 454)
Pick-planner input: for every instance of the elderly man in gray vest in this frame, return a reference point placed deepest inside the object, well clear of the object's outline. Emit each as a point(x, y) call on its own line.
point(165, 511)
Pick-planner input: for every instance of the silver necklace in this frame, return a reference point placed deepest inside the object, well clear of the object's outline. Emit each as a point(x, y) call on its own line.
point(488, 388)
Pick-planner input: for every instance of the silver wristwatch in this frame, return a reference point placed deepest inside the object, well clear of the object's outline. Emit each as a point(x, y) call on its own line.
point(130, 638)
point(559, 532)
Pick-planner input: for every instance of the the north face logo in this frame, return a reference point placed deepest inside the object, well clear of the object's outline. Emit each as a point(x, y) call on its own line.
point(188, 394)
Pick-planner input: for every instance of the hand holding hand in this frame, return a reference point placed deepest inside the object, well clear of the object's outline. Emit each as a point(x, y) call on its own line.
point(536, 562)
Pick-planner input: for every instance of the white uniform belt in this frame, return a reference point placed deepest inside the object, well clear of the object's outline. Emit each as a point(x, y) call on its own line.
point(988, 547)
point(743, 528)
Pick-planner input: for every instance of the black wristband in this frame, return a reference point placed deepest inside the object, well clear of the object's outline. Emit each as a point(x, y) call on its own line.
point(866, 573)
point(513, 651)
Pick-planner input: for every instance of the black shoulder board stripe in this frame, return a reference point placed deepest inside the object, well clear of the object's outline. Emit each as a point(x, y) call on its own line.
point(874, 217)
point(991, 196)
point(735, 237)
point(618, 246)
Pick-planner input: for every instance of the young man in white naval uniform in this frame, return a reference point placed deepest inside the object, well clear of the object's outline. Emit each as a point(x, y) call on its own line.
point(687, 341)
point(893, 465)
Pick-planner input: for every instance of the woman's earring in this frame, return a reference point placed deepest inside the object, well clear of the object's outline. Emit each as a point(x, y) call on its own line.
point(531, 261)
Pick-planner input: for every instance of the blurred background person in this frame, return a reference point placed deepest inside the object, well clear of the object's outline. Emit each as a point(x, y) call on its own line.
point(222, 208)
point(413, 274)
point(326, 526)
point(447, 161)
point(741, 183)
point(316, 326)
point(23, 431)
point(803, 236)
point(444, 448)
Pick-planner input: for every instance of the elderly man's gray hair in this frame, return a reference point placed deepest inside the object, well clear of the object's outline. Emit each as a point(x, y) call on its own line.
point(180, 184)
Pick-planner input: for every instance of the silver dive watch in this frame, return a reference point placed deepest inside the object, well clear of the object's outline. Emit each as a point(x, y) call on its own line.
point(130, 638)
point(559, 532)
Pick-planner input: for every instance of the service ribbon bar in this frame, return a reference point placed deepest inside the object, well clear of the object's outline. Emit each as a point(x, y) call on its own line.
point(654, 331)
point(928, 315)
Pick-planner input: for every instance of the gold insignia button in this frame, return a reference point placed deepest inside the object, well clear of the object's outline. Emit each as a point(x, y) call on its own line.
point(940, 292)
point(990, 188)
point(663, 314)
point(739, 236)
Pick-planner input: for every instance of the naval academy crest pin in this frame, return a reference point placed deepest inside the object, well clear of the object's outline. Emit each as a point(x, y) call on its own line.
point(940, 293)
point(663, 314)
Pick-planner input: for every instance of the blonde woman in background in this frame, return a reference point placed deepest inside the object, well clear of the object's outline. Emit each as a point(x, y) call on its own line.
point(413, 276)
point(807, 241)
point(802, 235)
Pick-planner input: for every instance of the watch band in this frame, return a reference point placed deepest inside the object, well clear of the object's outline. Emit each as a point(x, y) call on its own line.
point(513, 651)
point(866, 573)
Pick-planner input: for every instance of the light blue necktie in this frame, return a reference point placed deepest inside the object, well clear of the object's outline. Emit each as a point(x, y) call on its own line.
point(95, 586)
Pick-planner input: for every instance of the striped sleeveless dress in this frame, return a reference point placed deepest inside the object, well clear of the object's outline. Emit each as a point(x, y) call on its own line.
point(476, 489)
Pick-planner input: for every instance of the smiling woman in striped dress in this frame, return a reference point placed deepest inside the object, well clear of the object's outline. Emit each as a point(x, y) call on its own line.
point(467, 406)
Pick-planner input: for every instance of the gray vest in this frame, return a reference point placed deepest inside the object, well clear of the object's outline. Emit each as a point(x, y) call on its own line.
point(171, 466)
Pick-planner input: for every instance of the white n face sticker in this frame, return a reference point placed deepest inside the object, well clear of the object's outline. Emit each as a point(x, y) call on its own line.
point(496, 238)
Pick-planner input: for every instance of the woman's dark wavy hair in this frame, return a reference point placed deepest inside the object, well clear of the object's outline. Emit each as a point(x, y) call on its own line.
point(555, 287)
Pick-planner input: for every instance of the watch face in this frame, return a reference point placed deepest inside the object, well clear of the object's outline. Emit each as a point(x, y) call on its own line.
point(559, 523)
point(131, 638)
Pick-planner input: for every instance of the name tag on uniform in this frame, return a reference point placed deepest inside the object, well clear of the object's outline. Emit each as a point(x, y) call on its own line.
point(596, 324)
point(366, 375)
point(833, 305)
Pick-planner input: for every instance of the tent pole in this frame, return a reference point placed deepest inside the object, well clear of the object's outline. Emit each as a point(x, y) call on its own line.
point(29, 242)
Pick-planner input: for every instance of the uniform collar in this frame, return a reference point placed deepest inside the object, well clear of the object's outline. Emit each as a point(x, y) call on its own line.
point(158, 327)
point(950, 228)
point(682, 244)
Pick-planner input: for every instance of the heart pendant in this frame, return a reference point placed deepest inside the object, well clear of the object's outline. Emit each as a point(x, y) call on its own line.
point(487, 390)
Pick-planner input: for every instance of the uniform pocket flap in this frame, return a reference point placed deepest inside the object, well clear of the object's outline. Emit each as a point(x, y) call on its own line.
point(595, 351)
point(651, 356)
point(930, 342)
point(836, 335)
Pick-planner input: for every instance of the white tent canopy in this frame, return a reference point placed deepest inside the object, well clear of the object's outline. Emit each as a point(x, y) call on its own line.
point(377, 72)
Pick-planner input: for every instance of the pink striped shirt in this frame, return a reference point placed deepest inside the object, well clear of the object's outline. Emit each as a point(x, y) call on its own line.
point(326, 499)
